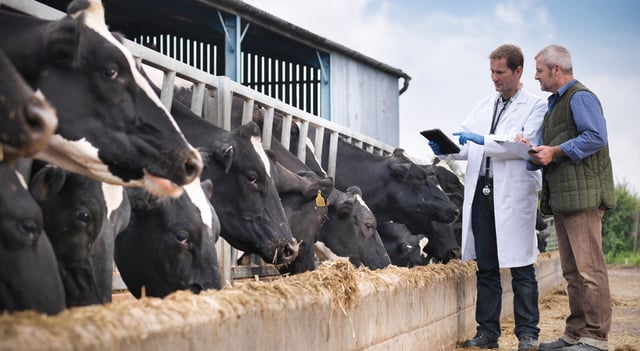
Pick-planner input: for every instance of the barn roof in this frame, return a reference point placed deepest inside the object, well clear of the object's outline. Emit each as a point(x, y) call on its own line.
point(200, 20)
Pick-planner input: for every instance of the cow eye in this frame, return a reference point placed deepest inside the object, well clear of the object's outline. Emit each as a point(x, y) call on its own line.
point(252, 177)
point(110, 73)
point(83, 216)
point(182, 237)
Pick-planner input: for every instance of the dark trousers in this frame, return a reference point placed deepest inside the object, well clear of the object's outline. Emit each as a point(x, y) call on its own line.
point(489, 287)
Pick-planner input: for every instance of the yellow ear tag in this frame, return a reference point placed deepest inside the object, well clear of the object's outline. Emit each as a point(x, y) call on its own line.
point(320, 200)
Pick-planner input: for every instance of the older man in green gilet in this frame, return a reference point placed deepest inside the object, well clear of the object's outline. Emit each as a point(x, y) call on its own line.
point(577, 188)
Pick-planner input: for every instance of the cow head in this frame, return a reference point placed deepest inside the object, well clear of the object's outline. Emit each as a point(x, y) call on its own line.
point(443, 245)
point(81, 219)
point(245, 196)
point(112, 126)
point(29, 276)
point(413, 197)
point(304, 198)
point(404, 248)
point(27, 120)
point(350, 230)
point(169, 244)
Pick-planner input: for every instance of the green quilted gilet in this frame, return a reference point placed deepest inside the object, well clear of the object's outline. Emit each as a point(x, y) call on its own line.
point(569, 187)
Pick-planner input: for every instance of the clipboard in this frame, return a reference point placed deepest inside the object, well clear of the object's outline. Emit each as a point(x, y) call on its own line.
point(446, 145)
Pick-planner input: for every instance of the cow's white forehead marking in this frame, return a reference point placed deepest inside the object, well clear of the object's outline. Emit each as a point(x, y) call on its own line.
point(362, 203)
point(422, 244)
point(199, 199)
point(257, 144)
point(21, 180)
point(113, 197)
point(94, 19)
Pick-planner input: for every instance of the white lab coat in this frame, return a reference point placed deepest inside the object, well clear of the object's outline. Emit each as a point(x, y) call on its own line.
point(515, 187)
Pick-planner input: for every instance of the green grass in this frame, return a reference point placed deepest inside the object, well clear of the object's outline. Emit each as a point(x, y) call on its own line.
point(626, 259)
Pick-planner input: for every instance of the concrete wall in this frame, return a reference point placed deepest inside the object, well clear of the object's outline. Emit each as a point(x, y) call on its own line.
point(425, 308)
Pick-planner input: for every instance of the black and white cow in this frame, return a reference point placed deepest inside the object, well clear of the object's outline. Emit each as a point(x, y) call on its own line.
point(29, 278)
point(169, 244)
point(245, 198)
point(395, 188)
point(112, 126)
point(27, 120)
point(349, 227)
point(304, 198)
point(405, 249)
point(81, 219)
point(351, 231)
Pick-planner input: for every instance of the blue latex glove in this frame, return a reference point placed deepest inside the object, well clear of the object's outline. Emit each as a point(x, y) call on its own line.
point(435, 147)
point(468, 136)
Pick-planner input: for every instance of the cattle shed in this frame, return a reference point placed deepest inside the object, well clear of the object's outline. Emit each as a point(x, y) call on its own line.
point(261, 51)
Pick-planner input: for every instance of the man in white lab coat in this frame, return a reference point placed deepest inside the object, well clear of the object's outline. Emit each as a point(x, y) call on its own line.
point(500, 200)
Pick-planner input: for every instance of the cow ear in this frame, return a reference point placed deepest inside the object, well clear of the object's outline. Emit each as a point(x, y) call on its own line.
point(47, 182)
point(207, 187)
point(399, 168)
point(61, 41)
point(223, 153)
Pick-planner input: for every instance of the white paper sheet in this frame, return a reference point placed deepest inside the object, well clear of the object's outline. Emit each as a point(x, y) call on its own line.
point(517, 148)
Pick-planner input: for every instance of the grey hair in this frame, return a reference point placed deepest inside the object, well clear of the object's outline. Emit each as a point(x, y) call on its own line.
point(557, 55)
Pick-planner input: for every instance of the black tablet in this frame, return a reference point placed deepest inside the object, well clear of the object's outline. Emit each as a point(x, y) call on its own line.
point(446, 145)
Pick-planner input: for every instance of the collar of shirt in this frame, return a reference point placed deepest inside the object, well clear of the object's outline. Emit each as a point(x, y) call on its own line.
point(553, 98)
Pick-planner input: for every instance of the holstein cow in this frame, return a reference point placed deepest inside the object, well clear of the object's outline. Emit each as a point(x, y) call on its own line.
point(27, 120)
point(405, 249)
point(362, 245)
point(304, 198)
point(81, 219)
point(29, 278)
point(112, 126)
point(395, 188)
point(169, 244)
point(245, 198)
point(349, 228)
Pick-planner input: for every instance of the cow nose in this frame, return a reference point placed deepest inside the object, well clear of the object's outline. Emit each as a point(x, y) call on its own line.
point(290, 251)
point(40, 119)
point(195, 288)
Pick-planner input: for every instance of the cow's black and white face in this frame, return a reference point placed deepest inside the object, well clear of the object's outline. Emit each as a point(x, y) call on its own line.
point(404, 248)
point(169, 244)
point(245, 196)
point(350, 231)
point(29, 276)
point(26, 118)
point(112, 126)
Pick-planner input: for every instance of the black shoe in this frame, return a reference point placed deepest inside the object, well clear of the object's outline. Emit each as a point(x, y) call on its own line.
point(553, 345)
point(528, 343)
point(482, 341)
point(581, 347)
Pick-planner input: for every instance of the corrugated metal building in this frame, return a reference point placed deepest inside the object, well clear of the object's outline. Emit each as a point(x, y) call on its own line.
point(268, 54)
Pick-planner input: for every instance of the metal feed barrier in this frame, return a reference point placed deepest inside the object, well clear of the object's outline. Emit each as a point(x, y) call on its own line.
point(212, 99)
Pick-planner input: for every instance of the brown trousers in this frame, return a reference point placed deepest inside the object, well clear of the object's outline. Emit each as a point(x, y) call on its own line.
point(584, 268)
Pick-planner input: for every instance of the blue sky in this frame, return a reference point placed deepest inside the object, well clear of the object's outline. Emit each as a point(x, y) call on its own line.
point(444, 45)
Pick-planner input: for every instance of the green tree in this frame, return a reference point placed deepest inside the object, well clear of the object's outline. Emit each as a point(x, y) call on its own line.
point(618, 223)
